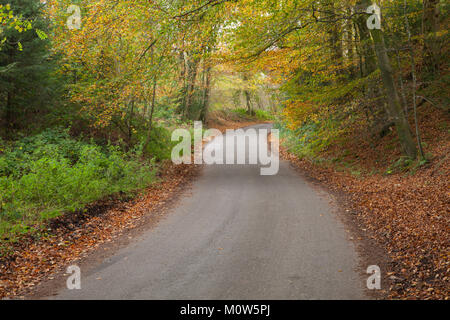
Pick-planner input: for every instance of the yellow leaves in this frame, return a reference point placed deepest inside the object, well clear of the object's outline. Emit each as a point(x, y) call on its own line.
point(296, 113)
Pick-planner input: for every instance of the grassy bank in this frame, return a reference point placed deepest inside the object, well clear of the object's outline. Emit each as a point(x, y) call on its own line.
point(51, 173)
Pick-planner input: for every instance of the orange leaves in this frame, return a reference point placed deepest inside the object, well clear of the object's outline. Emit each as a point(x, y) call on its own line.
point(105, 54)
point(408, 216)
point(296, 113)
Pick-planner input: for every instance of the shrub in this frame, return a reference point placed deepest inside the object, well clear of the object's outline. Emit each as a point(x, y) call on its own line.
point(46, 175)
point(263, 115)
point(311, 138)
point(160, 145)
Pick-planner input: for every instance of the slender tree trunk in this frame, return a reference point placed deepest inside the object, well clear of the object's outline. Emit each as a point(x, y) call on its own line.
point(394, 106)
point(430, 27)
point(248, 102)
point(192, 69)
point(130, 124)
point(247, 94)
point(400, 80)
point(191, 75)
point(368, 64)
point(184, 81)
point(152, 110)
point(359, 51)
point(336, 43)
point(350, 44)
point(413, 73)
point(206, 94)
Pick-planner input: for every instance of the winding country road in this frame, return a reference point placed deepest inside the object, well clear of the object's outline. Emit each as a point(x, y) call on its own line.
point(239, 235)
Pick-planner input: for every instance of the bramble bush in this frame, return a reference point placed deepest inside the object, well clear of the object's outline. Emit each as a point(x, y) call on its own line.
point(48, 174)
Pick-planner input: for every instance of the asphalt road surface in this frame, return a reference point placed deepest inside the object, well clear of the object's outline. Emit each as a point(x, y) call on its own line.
point(237, 235)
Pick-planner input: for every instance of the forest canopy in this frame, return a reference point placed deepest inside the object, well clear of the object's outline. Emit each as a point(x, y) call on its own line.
point(90, 90)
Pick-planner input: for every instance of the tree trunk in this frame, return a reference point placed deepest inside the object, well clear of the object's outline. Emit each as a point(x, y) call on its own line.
point(247, 94)
point(248, 102)
point(400, 81)
point(430, 27)
point(413, 73)
point(152, 110)
point(368, 64)
point(350, 44)
point(394, 106)
point(336, 43)
point(192, 68)
point(206, 95)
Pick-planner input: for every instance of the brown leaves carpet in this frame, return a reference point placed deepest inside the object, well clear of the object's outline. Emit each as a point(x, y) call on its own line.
point(73, 236)
point(407, 214)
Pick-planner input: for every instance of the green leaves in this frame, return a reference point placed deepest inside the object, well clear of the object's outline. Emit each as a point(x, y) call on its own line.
point(8, 20)
point(41, 34)
point(49, 174)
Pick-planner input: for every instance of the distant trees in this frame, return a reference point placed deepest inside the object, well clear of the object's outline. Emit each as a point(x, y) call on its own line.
point(326, 55)
point(133, 60)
